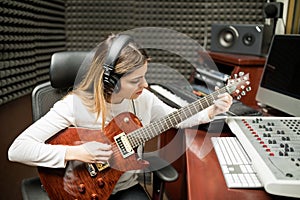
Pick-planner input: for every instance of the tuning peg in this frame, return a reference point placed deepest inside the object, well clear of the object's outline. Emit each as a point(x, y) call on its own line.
point(243, 93)
point(245, 78)
point(238, 97)
point(235, 76)
point(248, 88)
point(241, 73)
point(248, 82)
point(237, 91)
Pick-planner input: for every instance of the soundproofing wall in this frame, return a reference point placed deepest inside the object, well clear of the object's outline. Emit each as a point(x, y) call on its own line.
point(89, 22)
point(32, 30)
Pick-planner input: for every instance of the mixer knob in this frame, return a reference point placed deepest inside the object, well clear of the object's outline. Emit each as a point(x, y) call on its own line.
point(286, 154)
point(286, 145)
point(270, 141)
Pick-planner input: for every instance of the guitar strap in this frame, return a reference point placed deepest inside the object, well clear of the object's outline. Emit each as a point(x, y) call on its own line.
point(134, 110)
point(144, 173)
point(135, 113)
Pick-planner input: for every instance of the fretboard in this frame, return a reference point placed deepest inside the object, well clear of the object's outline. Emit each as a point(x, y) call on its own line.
point(155, 128)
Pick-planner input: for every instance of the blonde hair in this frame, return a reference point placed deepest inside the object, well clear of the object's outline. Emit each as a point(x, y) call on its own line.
point(91, 88)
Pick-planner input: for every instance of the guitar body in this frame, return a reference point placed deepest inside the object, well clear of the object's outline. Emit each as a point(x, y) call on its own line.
point(75, 181)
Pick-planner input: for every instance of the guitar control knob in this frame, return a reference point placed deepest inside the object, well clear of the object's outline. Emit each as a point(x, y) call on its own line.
point(100, 182)
point(94, 196)
point(126, 119)
point(81, 188)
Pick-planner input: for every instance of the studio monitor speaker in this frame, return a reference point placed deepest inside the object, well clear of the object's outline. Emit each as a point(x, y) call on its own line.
point(247, 39)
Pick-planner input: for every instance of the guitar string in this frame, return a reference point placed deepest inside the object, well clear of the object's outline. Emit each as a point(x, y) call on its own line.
point(207, 101)
point(179, 113)
point(192, 108)
point(165, 126)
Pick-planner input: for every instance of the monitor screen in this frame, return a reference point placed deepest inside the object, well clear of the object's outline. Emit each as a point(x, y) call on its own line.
point(279, 86)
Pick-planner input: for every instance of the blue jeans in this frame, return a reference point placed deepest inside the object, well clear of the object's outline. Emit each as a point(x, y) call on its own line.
point(135, 192)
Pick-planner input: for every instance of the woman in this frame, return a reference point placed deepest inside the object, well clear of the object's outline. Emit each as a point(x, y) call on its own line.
point(106, 90)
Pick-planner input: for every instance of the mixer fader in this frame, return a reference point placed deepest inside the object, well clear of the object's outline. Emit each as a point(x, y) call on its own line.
point(273, 144)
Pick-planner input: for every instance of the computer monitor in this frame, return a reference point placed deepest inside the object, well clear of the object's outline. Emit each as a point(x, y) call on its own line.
point(279, 86)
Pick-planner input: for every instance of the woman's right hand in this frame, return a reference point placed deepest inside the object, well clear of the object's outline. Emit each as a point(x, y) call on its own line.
point(89, 152)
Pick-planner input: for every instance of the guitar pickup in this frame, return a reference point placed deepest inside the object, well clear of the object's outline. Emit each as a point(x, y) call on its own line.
point(124, 145)
point(91, 169)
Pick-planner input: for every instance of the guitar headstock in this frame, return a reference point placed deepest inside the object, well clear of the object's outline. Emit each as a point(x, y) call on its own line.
point(239, 85)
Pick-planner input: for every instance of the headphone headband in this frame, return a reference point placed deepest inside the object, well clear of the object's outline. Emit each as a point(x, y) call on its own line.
point(115, 49)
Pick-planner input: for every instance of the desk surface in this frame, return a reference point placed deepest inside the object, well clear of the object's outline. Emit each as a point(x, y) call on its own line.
point(204, 176)
point(237, 59)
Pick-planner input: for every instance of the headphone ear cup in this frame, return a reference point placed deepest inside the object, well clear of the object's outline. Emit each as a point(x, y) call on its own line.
point(110, 78)
point(112, 84)
point(116, 85)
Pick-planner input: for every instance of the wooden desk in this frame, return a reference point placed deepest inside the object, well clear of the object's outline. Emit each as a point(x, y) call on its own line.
point(200, 175)
point(204, 176)
point(234, 63)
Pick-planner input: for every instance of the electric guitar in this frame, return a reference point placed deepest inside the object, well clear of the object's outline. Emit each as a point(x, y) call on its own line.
point(125, 133)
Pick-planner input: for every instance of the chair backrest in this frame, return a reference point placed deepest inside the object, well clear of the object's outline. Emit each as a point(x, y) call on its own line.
point(63, 70)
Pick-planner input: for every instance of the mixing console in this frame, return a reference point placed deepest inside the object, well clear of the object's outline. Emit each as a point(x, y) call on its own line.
point(273, 145)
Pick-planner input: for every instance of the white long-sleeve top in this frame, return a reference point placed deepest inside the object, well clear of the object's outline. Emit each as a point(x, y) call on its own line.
point(30, 148)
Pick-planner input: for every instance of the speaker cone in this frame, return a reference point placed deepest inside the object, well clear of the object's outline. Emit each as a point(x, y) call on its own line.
point(248, 39)
point(227, 37)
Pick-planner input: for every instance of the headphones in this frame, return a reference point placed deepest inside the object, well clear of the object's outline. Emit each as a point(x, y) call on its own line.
point(110, 78)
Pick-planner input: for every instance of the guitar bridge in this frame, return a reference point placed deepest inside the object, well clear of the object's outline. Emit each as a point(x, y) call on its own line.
point(124, 145)
point(102, 166)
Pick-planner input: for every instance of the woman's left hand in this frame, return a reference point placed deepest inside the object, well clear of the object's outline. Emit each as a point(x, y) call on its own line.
point(221, 105)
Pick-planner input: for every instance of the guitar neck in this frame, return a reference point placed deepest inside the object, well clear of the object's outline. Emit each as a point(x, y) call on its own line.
point(151, 130)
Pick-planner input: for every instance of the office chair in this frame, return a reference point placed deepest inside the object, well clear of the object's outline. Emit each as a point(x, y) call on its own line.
point(63, 69)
